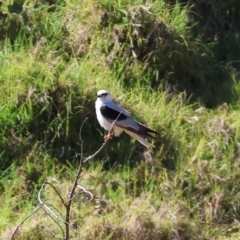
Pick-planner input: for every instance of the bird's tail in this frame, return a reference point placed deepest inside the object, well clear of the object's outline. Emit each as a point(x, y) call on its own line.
point(139, 138)
point(145, 131)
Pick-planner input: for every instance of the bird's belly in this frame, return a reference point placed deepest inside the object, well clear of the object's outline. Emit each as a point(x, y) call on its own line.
point(107, 125)
point(117, 131)
point(102, 121)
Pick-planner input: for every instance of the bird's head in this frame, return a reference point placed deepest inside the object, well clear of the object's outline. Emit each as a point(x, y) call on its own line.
point(104, 95)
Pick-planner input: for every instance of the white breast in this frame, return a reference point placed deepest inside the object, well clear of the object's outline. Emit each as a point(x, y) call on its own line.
point(105, 123)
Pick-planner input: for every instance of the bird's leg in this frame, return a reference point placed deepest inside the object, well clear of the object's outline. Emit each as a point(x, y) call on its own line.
point(110, 135)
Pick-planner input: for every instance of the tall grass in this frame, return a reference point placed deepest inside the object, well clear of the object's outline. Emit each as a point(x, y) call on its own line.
point(185, 187)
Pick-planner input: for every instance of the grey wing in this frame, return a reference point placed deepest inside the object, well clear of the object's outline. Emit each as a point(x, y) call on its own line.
point(118, 108)
point(128, 123)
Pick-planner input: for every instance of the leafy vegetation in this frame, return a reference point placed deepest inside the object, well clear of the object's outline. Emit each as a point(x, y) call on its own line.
point(174, 65)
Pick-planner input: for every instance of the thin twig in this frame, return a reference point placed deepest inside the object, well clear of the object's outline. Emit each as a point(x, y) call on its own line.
point(52, 206)
point(56, 191)
point(103, 145)
point(80, 137)
point(75, 183)
point(53, 179)
point(98, 151)
point(87, 192)
point(83, 191)
point(55, 221)
point(20, 224)
point(45, 206)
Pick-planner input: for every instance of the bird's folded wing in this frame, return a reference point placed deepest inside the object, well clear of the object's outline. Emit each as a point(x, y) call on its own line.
point(129, 124)
point(117, 108)
point(112, 112)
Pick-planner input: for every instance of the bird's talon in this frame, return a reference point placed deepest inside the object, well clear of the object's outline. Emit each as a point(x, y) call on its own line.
point(110, 135)
point(106, 138)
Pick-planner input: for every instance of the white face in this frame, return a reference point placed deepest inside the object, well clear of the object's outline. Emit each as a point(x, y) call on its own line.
point(104, 95)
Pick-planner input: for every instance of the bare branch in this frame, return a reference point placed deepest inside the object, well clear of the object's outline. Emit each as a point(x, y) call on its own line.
point(80, 137)
point(45, 206)
point(56, 191)
point(20, 224)
point(67, 204)
point(80, 132)
point(52, 179)
point(96, 153)
point(75, 184)
point(83, 191)
point(87, 192)
point(103, 145)
point(52, 206)
point(55, 222)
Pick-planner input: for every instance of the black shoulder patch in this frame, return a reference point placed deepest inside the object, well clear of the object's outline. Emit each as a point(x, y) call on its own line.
point(112, 114)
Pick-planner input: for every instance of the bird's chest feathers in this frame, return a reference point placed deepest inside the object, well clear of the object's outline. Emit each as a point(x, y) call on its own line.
point(102, 121)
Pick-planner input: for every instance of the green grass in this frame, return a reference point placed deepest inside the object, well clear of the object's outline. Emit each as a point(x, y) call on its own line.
point(185, 187)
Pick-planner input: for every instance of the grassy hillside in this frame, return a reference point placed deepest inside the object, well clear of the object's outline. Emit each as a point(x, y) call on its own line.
point(174, 65)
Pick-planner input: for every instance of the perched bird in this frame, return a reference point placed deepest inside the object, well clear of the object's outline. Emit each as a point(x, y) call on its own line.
point(109, 112)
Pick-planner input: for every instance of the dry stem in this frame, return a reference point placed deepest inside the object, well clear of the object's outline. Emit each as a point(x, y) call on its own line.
point(72, 195)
